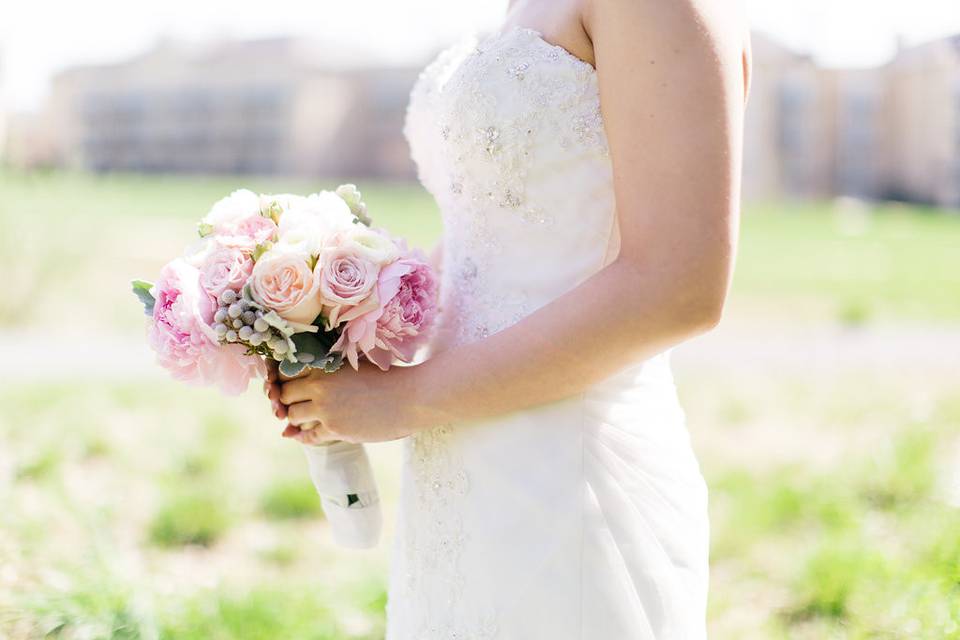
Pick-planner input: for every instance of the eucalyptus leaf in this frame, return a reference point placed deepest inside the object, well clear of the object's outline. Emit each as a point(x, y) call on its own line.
point(141, 288)
point(291, 369)
point(310, 343)
point(331, 363)
point(274, 320)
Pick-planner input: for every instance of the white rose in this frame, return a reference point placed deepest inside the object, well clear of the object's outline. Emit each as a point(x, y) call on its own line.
point(373, 245)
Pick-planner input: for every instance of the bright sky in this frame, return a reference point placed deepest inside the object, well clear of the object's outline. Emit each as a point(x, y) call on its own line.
point(40, 37)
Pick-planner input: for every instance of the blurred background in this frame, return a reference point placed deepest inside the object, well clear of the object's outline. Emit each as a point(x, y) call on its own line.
point(825, 409)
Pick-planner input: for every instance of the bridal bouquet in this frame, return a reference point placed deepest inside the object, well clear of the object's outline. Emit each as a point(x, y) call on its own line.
point(305, 281)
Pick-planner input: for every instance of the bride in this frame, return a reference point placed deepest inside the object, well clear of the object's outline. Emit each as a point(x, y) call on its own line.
point(586, 159)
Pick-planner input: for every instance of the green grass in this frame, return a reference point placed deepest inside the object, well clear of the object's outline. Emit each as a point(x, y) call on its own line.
point(71, 232)
point(290, 500)
point(133, 543)
point(891, 261)
point(190, 518)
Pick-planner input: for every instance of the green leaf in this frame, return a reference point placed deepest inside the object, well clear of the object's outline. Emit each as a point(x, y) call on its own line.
point(204, 229)
point(142, 290)
point(331, 363)
point(291, 369)
point(310, 343)
point(261, 249)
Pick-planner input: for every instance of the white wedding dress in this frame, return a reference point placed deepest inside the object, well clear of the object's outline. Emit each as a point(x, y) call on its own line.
point(583, 519)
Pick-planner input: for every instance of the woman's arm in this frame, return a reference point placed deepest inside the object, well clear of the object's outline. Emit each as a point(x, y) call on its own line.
point(672, 97)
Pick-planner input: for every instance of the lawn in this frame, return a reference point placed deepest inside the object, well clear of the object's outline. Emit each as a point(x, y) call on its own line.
point(813, 262)
point(136, 507)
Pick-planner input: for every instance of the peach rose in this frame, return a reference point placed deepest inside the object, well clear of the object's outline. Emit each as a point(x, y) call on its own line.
point(283, 281)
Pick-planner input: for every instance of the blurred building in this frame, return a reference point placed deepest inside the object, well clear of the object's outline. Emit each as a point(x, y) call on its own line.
point(891, 131)
point(272, 106)
point(921, 105)
point(287, 106)
point(786, 133)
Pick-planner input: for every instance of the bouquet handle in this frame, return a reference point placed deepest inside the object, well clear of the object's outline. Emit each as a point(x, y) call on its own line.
point(342, 475)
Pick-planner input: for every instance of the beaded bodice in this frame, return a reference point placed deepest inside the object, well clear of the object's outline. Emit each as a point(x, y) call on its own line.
point(507, 136)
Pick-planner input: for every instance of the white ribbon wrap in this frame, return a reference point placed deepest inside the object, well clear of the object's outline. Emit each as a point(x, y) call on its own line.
point(343, 477)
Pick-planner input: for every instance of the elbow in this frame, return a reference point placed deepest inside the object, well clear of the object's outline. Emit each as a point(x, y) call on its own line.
point(701, 311)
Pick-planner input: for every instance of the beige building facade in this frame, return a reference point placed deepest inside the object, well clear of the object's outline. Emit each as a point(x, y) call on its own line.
point(274, 106)
point(282, 106)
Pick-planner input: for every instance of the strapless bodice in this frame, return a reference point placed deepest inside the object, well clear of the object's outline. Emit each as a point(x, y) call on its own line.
point(507, 135)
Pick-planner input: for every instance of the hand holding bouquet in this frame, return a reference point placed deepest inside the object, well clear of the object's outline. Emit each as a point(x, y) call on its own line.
point(304, 281)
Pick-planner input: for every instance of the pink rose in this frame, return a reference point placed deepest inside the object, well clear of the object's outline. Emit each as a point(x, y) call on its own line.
point(347, 282)
point(283, 281)
point(224, 268)
point(183, 339)
point(397, 327)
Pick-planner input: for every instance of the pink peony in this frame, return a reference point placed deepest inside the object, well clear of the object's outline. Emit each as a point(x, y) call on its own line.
point(247, 233)
point(183, 339)
point(283, 281)
point(224, 268)
point(236, 221)
point(347, 284)
point(408, 291)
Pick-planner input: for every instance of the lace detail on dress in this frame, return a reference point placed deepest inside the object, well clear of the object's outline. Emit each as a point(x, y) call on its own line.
point(433, 548)
point(487, 109)
point(502, 128)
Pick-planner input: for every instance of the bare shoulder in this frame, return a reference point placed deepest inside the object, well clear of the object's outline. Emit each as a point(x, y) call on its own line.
point(675, 26)
point(691, 37)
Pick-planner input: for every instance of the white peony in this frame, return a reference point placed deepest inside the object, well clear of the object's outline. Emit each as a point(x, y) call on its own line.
point(230, 210)
point(283, 200)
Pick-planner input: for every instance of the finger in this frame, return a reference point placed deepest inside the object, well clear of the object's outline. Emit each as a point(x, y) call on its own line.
point(302, 412)
point(284, 378)
point(315, 435)
point(273, 370)
point(274, 392)
point(279, 410)
point(297, 391)
point(291, 431)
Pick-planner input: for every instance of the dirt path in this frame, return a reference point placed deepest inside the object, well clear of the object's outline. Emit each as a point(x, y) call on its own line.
point(748, 349)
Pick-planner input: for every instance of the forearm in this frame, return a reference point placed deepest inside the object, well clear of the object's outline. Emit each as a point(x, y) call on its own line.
point(623, 314)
